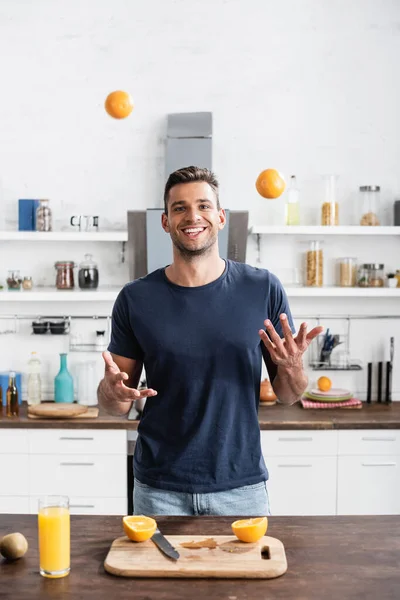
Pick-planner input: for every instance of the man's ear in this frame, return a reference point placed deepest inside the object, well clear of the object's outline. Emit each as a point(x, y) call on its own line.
point(222, 219)
point(164, 222)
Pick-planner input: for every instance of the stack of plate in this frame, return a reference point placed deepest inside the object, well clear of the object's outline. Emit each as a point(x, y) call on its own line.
point(334, 395)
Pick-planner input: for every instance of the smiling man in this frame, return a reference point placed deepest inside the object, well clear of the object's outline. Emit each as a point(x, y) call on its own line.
point(197, 327)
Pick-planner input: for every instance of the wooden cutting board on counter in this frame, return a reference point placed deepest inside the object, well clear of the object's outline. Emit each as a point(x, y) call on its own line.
point(62, 411)
point(217, 556)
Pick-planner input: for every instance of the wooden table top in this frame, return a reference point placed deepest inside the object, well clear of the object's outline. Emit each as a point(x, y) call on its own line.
point(328, 557)
point(370, 416)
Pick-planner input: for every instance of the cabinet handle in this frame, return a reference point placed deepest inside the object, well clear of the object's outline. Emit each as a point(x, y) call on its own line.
point(391, 464)
point(82, 506)
point(377, 439)
point(76, 464)
point(296, 439)
point(294, 465)
point(88, 439)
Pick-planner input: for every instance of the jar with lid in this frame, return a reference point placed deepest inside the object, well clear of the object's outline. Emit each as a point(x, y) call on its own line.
point(43, 216)
point(65, 275)
point(14, 280)
point(88, 276)
point(330, 205)
point(370, 205)
point(314, 265)
point(347, 272)
point(27, 283)
point(371, 275)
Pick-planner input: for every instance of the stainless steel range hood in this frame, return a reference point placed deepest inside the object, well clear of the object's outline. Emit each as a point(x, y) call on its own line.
point(189, 141)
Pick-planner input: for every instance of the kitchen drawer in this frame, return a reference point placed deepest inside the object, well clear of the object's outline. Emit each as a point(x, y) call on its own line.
point(13, 441)
point(89, 506)
point(299, 443)
point(14, 475)
point(14, 505)
point(369, 485)
point(77, 441)
point(84, 475)
point(369, 441)
point(302, 486)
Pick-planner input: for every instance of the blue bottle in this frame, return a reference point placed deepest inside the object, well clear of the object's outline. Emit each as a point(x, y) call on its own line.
point(63, 383)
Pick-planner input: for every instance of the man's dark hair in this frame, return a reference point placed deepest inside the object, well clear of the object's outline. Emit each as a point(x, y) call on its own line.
point(190, 175)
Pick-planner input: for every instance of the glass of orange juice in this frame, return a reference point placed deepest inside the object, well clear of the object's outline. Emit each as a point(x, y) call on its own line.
point(54, 536)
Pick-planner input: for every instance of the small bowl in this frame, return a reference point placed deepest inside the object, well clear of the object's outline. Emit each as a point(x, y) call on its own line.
point(58, 327)
point(40, 327)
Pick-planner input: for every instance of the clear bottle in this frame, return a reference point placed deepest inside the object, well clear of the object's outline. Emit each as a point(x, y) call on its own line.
point(12, 406)
point(43, 216)
point(34, 381)
point(347, 272)
point(330, 205)
point(63, 383)
point(292, 207)
point(315, 265)
point(370, 205)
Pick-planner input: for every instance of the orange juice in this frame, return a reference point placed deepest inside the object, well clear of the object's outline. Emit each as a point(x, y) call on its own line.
point(54, 541)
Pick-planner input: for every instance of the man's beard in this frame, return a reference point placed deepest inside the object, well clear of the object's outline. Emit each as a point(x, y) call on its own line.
point(192, 254)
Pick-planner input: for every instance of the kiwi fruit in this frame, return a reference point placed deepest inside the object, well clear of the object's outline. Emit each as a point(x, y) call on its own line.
point(13, 546)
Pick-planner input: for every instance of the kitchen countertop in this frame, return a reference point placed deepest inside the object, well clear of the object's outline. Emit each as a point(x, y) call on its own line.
point(370, 416)
point(328, 557)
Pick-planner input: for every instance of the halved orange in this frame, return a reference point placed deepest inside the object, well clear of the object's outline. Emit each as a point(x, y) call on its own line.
point(139, 528)
point(250, 530)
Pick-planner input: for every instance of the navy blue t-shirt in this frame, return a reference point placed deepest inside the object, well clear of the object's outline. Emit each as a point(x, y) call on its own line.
point(202, 353)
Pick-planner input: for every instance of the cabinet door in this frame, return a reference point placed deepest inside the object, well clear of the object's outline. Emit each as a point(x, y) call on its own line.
point(90, 505)
point(14, 505)
point(369, 485)
point(302, 485)
point(369, 441)
point(14, 474)
point(299, 443)
point(77, 441)
point(13, 441)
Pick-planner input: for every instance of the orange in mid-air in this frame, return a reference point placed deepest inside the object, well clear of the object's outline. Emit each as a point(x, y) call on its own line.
point(119, 105)
point(270, 184)
point(324, 384)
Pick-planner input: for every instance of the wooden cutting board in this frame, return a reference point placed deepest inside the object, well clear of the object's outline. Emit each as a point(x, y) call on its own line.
point(91, 413)
point(230, 558)
point(50, 410)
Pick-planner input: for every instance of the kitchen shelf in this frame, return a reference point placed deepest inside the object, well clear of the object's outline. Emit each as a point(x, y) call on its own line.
point(51, 294)
point(323, 230)
point(63, 236)
point(338, 292)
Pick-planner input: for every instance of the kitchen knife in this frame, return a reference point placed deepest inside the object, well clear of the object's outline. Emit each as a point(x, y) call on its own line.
point(163, 544)
point(380, 370)
point(389, 369)
point(369, 383)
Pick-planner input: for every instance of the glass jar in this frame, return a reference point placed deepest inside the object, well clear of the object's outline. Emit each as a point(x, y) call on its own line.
point(314, 265)
point(330, 205)
point(27, 283)
point(347, 272)
point(14, 280)
point(369, 195)
point(43, 216)
point(88, 276)
point(371, 275)
point(398, 278)
point(65, 275)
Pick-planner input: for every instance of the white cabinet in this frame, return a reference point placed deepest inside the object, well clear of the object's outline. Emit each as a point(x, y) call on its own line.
point(14, 505)
point(14, 471)
point(302, 469)
point(77, 441)
point(369, 472)
point(89, 505)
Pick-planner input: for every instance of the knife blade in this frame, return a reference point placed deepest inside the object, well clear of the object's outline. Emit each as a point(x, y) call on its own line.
point(163, 544)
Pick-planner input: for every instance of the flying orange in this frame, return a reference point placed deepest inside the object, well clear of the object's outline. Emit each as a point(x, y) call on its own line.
point(270, 184)
point(119, 105)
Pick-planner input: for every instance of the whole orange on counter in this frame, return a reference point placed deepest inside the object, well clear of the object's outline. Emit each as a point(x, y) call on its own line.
point(119, 104)
point(324, 384)
point(139, 528)
point(250, 530)
point(270, 184)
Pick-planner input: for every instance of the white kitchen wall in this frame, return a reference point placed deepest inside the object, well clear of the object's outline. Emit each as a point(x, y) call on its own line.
point(305, 86)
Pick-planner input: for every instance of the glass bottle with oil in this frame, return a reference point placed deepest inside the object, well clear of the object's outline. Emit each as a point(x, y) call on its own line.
point(12, 408)
point(292, 206)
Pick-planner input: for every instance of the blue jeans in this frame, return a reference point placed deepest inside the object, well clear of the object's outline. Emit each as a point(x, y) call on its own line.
point(246, 501)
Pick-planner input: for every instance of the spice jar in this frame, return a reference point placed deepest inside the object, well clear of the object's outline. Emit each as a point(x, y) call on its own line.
point(398, 278)
point(371, 275)
point(65, 275)
point(314, 265)
point(88, 276)
point(43, 216)
point(370, 205)
point(347, 272)
point(27, 283)
point(14, 280)
point(330, 205)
